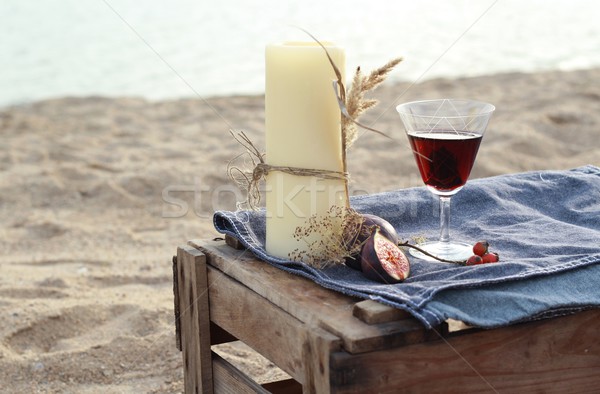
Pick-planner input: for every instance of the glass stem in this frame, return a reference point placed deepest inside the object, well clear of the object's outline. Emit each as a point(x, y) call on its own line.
point(444, 219)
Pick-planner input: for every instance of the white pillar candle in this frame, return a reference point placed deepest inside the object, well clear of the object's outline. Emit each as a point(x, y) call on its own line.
point(303, 129)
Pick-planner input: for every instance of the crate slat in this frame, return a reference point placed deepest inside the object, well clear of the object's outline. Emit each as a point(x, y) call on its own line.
point(252, 319)
point(194, 320)
point(230, 380)
point(559, 355)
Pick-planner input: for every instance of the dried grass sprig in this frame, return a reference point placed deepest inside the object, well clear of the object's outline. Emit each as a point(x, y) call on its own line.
point(244, 176)
point(378, 75)
point(356, 103)
point(330, 237)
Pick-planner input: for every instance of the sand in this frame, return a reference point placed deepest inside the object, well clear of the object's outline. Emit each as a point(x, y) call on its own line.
point(96, 194)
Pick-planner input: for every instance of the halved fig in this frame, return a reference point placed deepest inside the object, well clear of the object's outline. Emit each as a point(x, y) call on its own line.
point(383, 261)
point(370, 223)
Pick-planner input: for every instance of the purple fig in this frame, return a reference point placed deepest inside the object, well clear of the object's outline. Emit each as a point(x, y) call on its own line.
point(370, 223)
point(385, 227)
point(383, 261)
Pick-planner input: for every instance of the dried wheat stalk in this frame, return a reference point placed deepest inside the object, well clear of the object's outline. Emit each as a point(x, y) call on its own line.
point(356, 103)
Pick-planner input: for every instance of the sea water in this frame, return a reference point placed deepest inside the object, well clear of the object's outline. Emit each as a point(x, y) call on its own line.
point(161, 49)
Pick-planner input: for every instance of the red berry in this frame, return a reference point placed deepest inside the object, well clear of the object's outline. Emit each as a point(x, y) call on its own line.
point(490, 258)
point(474, 260)
point(481, 248)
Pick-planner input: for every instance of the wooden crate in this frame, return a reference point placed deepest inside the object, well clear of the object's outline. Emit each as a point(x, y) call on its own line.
point(331, 343)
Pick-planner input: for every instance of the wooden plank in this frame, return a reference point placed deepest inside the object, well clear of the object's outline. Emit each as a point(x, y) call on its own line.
point(194, 320)
point(176, 305)
point(316, 354)
point(312, 303)
point(234, 242)
point(373, 312)
point(230, 380)
point(270, 331)
point(560, 355)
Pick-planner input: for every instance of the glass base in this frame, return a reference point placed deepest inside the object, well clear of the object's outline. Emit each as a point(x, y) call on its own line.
point(456, 251)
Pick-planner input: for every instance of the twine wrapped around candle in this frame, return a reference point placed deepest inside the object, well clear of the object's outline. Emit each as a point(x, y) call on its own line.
point(248, 180)
point(263, 169)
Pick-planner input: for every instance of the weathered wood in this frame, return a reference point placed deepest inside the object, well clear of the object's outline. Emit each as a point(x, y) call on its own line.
point(176, 305)
point(372, 312)
point(270, 331)
point(308, 302)
point(234, 242)
point(552, 356)
point(230, 380)
point(194, 320)
point(318, 347)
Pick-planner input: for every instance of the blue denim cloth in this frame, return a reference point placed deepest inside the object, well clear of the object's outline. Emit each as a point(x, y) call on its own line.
point(544, 224)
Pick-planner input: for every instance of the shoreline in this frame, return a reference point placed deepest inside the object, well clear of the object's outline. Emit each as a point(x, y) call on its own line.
point(97, 193)
point(210, 97)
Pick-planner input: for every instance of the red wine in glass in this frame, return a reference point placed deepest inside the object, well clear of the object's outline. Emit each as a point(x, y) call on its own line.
point(445, 135)
point(445, 157)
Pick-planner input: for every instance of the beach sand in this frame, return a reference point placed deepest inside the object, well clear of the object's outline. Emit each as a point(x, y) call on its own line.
point(96, 194)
